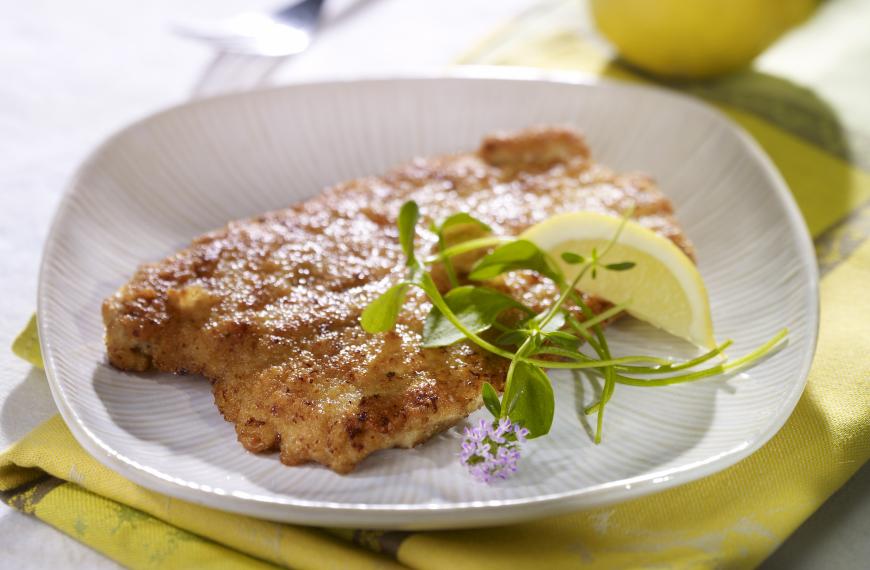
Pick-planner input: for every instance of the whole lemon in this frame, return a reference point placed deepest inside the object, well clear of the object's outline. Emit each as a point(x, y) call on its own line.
point(695, 38)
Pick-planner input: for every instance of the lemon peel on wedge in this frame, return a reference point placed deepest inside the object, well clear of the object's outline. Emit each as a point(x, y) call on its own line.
point(664, 287)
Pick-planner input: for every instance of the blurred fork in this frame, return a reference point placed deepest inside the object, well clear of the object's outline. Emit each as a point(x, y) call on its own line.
point(280, 34)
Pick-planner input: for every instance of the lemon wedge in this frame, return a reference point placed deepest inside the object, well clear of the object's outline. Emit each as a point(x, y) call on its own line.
point(664, 288)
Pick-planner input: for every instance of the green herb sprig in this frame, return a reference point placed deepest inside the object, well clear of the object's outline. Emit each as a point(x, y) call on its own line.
point(465, 312)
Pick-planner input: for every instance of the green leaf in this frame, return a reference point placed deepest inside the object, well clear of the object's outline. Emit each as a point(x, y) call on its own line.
point(529, 327)
point(490, 399)
point(408, 216)
point(620, 266)
point(529, 399)
point(477, 308)
point(457, 221)
point(512, 337)
point(456, 229)
point(563, 339)
point(381, 314)
point(572, 258)
point(513, 256)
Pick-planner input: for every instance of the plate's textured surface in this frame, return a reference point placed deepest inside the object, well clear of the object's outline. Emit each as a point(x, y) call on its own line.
point(153, 187)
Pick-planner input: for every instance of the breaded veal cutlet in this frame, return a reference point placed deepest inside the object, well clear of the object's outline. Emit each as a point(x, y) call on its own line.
point(268, 308)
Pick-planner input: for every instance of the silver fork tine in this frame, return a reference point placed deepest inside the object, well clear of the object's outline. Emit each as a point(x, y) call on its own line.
point(252, 46)
point(285, 32)
point(304, 13)
point(230, 72)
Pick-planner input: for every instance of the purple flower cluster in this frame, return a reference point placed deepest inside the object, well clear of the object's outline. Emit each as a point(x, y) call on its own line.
point(492, 450)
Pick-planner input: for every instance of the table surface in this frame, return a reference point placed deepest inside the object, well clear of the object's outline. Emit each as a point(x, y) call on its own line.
point(78, 71)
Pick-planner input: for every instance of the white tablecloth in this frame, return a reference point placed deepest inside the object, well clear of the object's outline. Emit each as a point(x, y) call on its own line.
point(74, 72)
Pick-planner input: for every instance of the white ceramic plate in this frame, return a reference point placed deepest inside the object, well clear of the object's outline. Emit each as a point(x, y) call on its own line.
point(187, 170)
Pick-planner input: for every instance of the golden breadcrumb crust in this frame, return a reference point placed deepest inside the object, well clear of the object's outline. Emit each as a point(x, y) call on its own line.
point(268, 308)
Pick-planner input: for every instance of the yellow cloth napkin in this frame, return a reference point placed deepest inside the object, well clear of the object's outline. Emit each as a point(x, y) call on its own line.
point(732, 519)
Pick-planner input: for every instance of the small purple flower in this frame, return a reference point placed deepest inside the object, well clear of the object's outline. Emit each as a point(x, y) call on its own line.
point(491, 450)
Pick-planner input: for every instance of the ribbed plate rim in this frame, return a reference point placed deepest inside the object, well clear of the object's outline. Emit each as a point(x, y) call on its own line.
point(401, 515)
